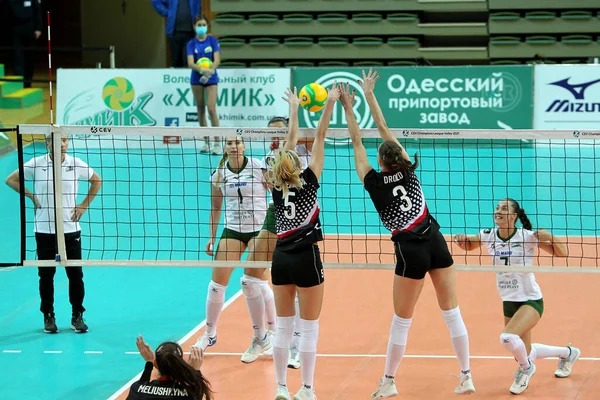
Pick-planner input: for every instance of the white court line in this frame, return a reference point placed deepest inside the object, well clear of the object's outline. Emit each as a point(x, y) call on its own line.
point(92, 352)
point(180, 341)
point(421, 356)
point(52, 351)
point(11, 351)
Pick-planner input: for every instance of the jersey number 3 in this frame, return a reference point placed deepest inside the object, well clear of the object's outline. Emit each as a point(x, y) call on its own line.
point(406, 203)
point(291, 212)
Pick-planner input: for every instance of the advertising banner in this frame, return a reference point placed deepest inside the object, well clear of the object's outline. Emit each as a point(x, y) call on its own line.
point(567, 97)
point(485, 97)
point(163, 97)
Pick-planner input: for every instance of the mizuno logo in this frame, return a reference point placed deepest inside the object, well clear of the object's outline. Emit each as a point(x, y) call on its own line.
point(576, 90)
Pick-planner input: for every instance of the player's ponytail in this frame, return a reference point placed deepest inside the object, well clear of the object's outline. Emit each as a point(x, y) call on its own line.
point(286, 171)
point(221, 165)
point(392, 159)
point(521, 214)
point(170, 364)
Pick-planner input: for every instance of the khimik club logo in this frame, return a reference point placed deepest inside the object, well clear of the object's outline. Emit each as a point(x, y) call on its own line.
point(120, 106)
point(338, 120)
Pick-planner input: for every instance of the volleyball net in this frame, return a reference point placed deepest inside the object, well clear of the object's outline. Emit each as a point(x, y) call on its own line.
point(154, 204)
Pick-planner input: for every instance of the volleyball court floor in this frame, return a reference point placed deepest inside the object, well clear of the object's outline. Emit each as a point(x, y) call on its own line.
point(168, 304)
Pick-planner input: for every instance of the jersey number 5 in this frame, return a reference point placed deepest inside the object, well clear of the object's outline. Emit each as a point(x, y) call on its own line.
point(407, 204)
point(291, 213)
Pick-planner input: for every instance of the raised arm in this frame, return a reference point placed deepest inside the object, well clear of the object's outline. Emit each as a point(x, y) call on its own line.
point(318, 151)
point(467, 243)
point(551, 244)
point(360, 153)
point(368, 86)
point(293, 125)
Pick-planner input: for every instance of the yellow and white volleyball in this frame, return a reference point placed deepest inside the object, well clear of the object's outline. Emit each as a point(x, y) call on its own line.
point(313, 97)
point(118, 94)
point(204, 62)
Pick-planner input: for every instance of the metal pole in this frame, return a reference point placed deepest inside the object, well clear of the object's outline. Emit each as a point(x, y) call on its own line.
point(112, 56)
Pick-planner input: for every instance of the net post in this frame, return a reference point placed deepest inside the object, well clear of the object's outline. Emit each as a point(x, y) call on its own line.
point(22, 211)
point(61, 253)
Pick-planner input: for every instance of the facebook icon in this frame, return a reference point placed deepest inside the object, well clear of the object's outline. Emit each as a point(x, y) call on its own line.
point(171, 121)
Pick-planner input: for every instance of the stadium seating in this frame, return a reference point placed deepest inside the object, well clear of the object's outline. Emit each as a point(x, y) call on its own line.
point(404, 32)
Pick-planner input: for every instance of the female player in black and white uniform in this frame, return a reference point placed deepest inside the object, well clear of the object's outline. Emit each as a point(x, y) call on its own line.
point(240, 182)
point(297, 263)
point(267, 238)
point(420, 247)
point(521, 295)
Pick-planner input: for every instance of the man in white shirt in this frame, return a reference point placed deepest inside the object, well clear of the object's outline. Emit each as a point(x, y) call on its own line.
point(39, 169)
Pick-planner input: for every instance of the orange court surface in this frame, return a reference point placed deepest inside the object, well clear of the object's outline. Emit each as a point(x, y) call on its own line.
point(354, 328)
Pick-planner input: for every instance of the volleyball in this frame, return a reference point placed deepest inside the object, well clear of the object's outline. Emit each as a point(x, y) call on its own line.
point(204, 63)
point(313, 97)
point(118, 94)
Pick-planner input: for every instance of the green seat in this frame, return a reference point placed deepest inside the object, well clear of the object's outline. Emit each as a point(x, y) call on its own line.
point(505, 62)
point(403, 41)
point(297, 17)
point(577, 39)
point(402, 17)
point(333, 41)
point(265, 64)
point(505, 16)
point(298, 41)
point(540, 39)
point(367, 41)
point(232, 64)
point(272, 18)
point(334, 63)
point(229, 18)
point(576, 15)
point(368, 64)
point(264, 41)
point(367, 17)
point(299, 64)
point(573, 61)
point(332, 17)
point(533, 62)
point(540, 15)
point(400, 63)
point(231, 42)
point(505, 40)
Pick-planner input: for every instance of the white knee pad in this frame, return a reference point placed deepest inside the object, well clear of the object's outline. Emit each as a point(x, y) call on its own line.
point(399, 330)
point(283, 332)
point(454, 322)
point(309, 335)
point(250, 286)
point(510, 341)
point(216, 292)
point(267, 292)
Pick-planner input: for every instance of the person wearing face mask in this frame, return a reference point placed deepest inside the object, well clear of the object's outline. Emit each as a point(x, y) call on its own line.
point(521, 295)
point(205, 81)
point(179, 14)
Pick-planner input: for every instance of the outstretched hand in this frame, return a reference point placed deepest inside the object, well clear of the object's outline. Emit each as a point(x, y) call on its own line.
point(346, 96)
point(369, 80)
point(144, 349)
point(333, 94)
point(292, 97)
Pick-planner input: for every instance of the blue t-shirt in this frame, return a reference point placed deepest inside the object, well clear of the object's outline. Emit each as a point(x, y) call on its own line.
point(203, 48)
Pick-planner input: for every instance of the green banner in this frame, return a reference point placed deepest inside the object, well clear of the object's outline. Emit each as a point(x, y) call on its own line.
point(480, 97)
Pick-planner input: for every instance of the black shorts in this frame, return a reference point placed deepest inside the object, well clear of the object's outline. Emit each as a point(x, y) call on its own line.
point(415, 257)
point(301, 267)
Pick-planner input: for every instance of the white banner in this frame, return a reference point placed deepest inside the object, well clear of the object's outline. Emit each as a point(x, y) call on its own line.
point(163, 97)
point(567, 97)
